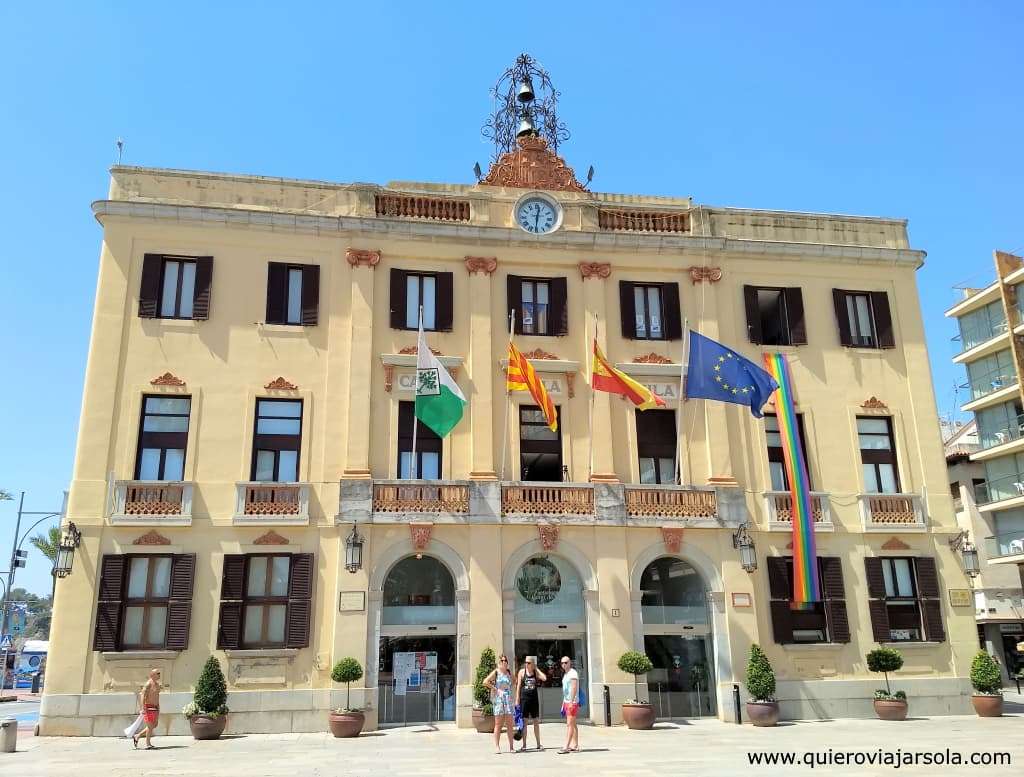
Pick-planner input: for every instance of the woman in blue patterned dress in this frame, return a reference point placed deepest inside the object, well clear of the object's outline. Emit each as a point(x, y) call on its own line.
point(500, 683)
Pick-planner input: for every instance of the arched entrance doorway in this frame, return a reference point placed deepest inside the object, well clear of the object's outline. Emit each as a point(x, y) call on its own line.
point(677, 637)
point(417, 647)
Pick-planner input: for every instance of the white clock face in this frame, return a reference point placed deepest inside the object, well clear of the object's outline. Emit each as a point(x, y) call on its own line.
point(537, 216)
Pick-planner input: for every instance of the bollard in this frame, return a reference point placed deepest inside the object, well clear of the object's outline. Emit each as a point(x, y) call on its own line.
point(35, 682)
point(8, 735)
point(607, 707)
point(736, 703)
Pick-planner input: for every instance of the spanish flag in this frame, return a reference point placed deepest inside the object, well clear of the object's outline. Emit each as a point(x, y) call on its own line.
point(522, 377)
point(604, 377)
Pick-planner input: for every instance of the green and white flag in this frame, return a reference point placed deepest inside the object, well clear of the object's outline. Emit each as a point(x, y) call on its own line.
point(439, 402)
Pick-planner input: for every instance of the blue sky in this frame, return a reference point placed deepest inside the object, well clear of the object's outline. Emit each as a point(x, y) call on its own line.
point(910, 110)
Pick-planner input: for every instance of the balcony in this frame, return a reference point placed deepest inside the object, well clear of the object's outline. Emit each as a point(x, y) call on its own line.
point(152, 502)
point(779, 509)
point(540, 500)
point(671, 502)
point(399, 497)
point(999, 489)
point(1006, 548)
point(990, 382)
point(892, 512)
point(971, 337)
point(272, 503)
point(1014, 430)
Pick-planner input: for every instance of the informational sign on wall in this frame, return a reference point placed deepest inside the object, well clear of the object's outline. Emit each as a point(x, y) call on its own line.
point(414, 672)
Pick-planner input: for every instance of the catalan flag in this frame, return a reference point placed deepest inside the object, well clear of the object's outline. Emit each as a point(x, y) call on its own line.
point(604, 377)
point(522, 377)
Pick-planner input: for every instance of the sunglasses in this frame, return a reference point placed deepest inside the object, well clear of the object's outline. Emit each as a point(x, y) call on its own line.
point(504, 660)
point(564, 663)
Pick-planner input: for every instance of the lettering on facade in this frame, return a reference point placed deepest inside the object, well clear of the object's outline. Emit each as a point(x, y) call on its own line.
point(960, 597)
point(351, 601)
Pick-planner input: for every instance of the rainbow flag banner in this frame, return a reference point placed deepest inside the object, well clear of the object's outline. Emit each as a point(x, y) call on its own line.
point(806, 588)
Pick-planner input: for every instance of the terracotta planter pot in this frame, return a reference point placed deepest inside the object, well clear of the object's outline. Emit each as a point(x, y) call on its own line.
point(483, 723)
point(639, 717)
point(987, 706)
point(890, 709)
point(207, 726)
point(346, 724)
point(763, 713)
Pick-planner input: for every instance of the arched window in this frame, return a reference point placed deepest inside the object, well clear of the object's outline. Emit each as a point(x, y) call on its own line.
point(418, 591)
point(549, 590)
point(673, 592)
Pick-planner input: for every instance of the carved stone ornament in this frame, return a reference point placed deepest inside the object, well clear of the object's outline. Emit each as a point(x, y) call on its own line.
point(570, 380)
point(362, 257)
point(874, 403)
point(672, 536)
point(789, 545)
point(652, 358)
point(484, 264)
point(167, 379)
point(420, 534)
point(152, 537)
point(598, 270)
point(270, 538)
point(280, 384)
point(895, 543)
point(548, 533)
point(710, 274)
point(533, 166)
point(389, 377)
point(411, 349)
point(539, 353)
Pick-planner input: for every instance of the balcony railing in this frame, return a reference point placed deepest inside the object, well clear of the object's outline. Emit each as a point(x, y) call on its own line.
point(157, 501)
point(779, 507)
point(972, 336)
point(259, 502)
point(886, 512)
point(990, 382)
point(409, 206)
point(413, 497)
point(1013, 430)
point(1006, 544)
point(998, 489)
point(547, 500)
point(671, 501)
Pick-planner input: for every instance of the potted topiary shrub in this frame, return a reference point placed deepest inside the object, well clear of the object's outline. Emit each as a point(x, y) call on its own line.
point(888, 705)
point(763, 707)
point(207, 713)
point(988, 686)
point(346, 721)
point(483, 711)
point(636, 714)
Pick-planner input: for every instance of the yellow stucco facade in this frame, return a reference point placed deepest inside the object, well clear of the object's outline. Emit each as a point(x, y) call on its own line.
point(351, 370)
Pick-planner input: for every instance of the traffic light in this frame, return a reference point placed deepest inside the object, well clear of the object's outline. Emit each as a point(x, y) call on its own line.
point(20, 557)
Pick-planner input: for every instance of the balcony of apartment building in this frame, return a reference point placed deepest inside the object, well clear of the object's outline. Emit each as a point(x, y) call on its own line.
point(151, 502)
point(990, 381)
point(1000, 431)
point(1006, 547)
point(1001, 493)
point(780, 510)
point(892, 512)
point(271, 503)
point(982, 332)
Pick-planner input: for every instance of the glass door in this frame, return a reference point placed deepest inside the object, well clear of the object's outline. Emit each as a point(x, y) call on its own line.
point(681, 684)
point(549, 650)
point(416, 680)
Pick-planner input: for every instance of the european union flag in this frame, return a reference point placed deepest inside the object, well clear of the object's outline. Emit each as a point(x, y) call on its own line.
point(716, 372)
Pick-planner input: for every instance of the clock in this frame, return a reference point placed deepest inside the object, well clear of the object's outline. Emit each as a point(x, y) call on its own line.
point(538, 215)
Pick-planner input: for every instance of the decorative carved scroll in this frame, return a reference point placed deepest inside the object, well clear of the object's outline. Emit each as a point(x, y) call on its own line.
point(362, 257)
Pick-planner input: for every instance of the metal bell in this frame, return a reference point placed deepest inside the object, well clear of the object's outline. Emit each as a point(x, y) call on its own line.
point(525, 93)
point(526, 128)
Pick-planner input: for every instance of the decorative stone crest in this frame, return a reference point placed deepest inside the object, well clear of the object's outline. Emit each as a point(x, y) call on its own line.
point(539, 353)
point(672, 536)
point(874, 403)
point(484, 264)
point(895, 543)
point(652, 358)
point(598, 270)
point(548, 533)
point(533, 166)
point(570, 387)
point(270, 538)
point(362, 257)
point(411, 349)
point(389, 377)
point(167, 379)
point(280, 384)
point(420, 534)
point(152, 537)
point(710, 274)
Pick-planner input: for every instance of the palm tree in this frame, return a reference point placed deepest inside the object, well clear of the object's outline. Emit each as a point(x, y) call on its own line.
point(47, 544)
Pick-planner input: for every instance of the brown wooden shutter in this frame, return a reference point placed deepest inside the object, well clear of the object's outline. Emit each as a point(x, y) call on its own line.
point(929, 598)
point(444, 304)
point(310, 294)
point(232, 587)
point(277, 291)
point(558, 321)
point(876, 580)
point(795, 313)
point(879, 620)
point(782, 622)
point(107, 634)
point(300, 592)
point(838, 620)
point(753, 314)
point(179, 608)
point(397, 300)
point(515, 301)
point(883, 319)
point(201, 290)
point(834, 593)
point(149, 289)
point(779, 585)
point(842, 317)
point(931, 614)
point(927, 578)
point(673, 319)
point(627, 309)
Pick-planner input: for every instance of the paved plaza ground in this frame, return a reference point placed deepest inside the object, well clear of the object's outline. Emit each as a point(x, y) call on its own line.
point(705, 747)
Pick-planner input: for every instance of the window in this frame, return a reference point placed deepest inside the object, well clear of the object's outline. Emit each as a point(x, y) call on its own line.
point(163, 436)
point(901, 600)
point(428, 446)
point(776, 458)
point(539, 305)
point(822, 621)
point(1000, 424)
point(991, 373)
point(650, 311)
point(775, 316)
point(904, 599)
point(534, 310)
point(293, 293)
point(878, 455)
point(540, 449)
point(410, 290)
point(266, 601)
point(981, 325)
point(656, 445)
point(175, 287)
point(145, 612)
point(864, 318)
point(277, 441)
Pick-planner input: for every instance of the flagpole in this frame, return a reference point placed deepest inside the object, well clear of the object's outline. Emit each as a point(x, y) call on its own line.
point(416, 384)
point(590, 359)
point(679, 401)
point(508, 397)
